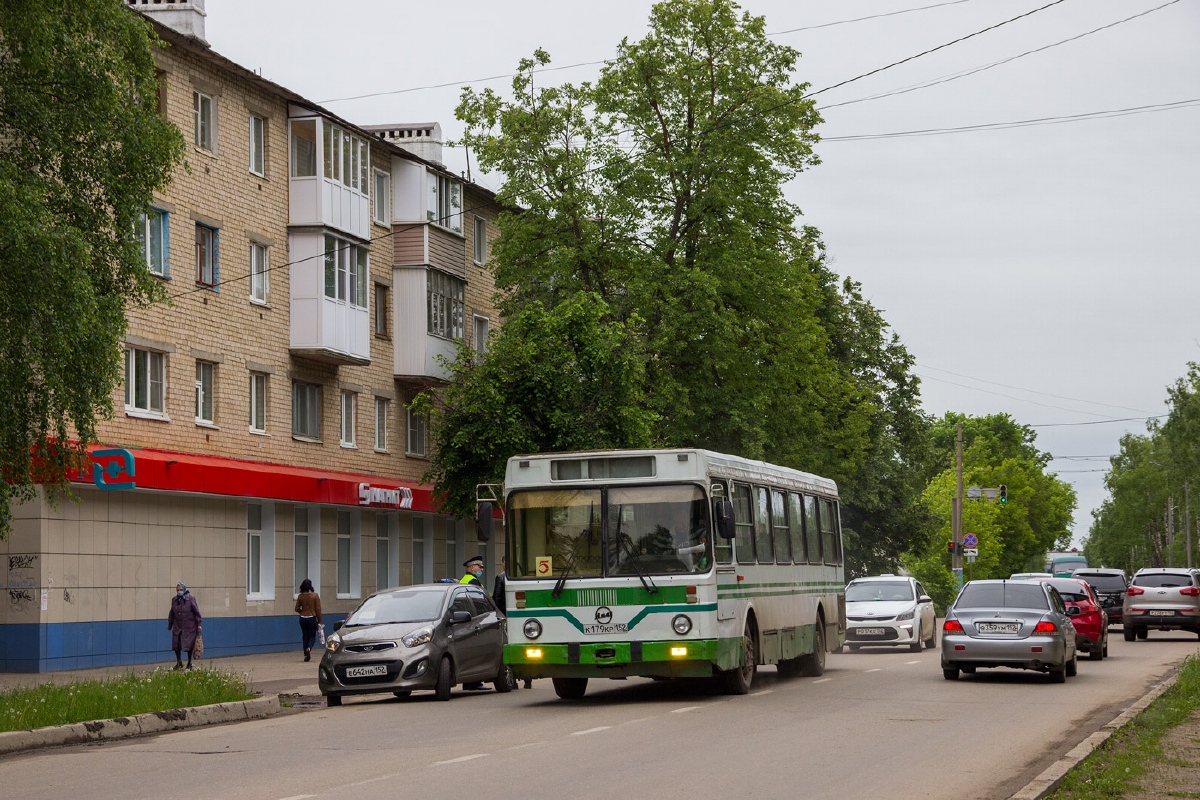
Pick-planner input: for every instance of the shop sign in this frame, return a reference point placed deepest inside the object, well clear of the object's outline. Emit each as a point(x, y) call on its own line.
point(369, 495)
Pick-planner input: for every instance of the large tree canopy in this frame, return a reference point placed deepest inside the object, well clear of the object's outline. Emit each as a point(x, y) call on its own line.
point(659, 189)
point(82, 148)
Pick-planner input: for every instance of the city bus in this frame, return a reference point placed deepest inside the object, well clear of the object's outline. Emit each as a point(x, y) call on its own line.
point(667, 564)
point(1061, 565)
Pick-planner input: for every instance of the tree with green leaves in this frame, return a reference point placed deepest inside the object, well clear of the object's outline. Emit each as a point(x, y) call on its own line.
point(659, 189)
point(82, 148)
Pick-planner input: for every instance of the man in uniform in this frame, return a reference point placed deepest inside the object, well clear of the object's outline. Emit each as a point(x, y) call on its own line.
point(474, 567)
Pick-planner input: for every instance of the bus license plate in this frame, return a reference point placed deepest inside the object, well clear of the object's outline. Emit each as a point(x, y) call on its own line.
point(366, 672)
point(997, 627)
point(600, 630)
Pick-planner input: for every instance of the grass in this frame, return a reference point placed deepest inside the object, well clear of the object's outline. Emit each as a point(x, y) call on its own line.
point(1113, 769)
point(117, 696)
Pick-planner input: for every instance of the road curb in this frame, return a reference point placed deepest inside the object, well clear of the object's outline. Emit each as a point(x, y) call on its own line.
point(1052, 776)
point(138, 725)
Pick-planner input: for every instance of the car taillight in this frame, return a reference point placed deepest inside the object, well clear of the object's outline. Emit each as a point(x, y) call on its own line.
point(1045, 627)
point(952, 626)
point(1190, 591)
point(1134, 591)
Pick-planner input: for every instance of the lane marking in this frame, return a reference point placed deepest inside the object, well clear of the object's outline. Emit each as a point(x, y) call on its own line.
point(298, 797)
point(523, 746)
point(823, 680)
point(685, 709)
point(591, 730)
point(760, 694)
point(877, 669)
point(639, 719)
point(372, 780)
point(459, 760)
point(914, 662)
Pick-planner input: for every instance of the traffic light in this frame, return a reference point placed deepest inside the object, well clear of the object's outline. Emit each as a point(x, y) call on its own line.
point(950, 547)
point(1003, 493)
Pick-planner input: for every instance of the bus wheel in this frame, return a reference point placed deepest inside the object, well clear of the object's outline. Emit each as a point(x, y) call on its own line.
point(813, 664)
point(737, 681)
point(570, 688)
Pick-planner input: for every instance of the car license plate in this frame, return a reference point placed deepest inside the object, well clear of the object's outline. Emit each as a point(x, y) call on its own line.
point(997, 627)
point(600, 630)
point(366, 672)
point(1161, 613)
point(869, 631)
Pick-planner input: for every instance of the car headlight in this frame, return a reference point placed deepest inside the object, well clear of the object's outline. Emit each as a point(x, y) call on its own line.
point(905, 615)
point(333, 643)
point(682, 624)
point(532, 629)
point(418, 637)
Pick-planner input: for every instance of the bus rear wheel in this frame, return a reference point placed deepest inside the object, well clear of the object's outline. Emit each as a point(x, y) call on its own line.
point(813, 664)
point(570, 688)
point(738, 680)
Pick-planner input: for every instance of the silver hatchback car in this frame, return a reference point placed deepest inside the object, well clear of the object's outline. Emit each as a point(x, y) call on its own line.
point(1018, 624)
point(417, 637)
point(1162, 598)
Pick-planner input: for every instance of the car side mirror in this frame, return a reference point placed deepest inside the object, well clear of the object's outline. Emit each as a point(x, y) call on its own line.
point(337, 626)
point(459, 617)
point(1073, 611)
point(925, 599)
point(723, 510)
point(483, 521)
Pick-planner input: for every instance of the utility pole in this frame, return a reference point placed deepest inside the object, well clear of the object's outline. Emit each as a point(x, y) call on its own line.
point(1171, 531)
point(1187, 522)
point(956, 514)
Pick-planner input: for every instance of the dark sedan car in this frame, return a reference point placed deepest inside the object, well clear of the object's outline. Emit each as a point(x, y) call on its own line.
point(416, 637)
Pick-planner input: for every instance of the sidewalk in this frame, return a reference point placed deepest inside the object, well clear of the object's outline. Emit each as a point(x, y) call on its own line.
point(267, 673)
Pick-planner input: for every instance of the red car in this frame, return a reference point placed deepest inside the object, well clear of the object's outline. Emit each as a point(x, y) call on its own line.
point(1087, 615)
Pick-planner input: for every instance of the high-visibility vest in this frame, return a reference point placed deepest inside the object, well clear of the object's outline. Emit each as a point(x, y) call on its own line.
point(468, 578)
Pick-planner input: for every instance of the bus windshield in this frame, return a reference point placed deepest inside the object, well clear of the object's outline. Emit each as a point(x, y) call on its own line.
point(654, 530)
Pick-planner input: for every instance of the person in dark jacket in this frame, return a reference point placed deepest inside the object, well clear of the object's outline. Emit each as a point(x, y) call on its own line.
point(183, 622)
point(308, 606)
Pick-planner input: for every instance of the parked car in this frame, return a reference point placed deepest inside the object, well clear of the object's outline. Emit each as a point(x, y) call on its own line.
point(1109, 585)
point(1004, 623)
point(416, 637)
point(889, 610)
point(1086, 613)
point(1162, 598)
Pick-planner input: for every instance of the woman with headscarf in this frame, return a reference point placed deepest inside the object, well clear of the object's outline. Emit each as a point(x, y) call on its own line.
point(308, 606)
point(184, 624)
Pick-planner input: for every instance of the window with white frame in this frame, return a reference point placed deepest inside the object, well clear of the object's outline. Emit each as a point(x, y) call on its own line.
point(346, 271)
point(381, 200)
point(383, 551)
point(206, 385)
point(382, 406)
point(204, 111)
point(482, 328)
point(145, 380)
point(445, 305)
point(260, 551)
point(445, 202)
point(415, 442)
point(258, 145)
point(207, 247)
point(304, 148)
point(349, 414)
point(258, 402)
point(349, 555)
point(306, 410)
point(153, 234)
point(259, 267)
point(347, 157)
point(480, 253)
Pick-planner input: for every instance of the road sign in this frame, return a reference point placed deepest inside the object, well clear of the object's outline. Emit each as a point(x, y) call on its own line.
point(974, 492)
point(970, 540)
point(970, 552)
point(971, 557)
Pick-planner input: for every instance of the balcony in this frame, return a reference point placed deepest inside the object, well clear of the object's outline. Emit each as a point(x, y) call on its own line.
point(329, 177)
point(428, 320)
point(330, 318)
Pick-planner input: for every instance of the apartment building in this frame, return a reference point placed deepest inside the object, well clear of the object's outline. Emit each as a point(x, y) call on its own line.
point(262, 435)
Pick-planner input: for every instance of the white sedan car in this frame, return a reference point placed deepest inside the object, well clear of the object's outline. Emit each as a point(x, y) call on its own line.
point(889, 610)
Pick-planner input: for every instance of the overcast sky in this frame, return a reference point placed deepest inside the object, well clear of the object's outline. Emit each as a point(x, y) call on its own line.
point(1046, 271)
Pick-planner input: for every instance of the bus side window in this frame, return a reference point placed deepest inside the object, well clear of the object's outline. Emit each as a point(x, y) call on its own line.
point(812, 532)
point(779, 528)
point(829, 547)
point(722, 548)
point(796, 526)
point(762, 526)
point(743, 520)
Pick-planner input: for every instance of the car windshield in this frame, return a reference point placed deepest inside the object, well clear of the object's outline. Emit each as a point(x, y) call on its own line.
point(1105, 584)
point(873, 591)
point(1002, 595)
point(1163, 580)
point(398, 607)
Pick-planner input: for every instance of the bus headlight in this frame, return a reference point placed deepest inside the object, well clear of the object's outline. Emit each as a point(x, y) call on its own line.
point(682, 624)
point(532, 629)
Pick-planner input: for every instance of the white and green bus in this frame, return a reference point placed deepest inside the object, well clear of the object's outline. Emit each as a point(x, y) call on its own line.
point(668, 564)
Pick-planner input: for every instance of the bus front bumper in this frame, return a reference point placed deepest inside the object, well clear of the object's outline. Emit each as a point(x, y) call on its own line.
point(690, 658)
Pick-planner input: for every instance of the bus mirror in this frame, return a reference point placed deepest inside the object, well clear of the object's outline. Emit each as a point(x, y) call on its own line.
point(724, 515)
point(483, 521)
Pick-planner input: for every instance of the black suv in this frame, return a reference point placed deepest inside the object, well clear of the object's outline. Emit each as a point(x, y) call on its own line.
point(1110, 586)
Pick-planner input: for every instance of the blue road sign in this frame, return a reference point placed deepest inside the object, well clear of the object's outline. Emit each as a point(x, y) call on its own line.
point(970, 540)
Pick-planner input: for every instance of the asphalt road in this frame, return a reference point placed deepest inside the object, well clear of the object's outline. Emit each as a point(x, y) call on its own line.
point(878, 724)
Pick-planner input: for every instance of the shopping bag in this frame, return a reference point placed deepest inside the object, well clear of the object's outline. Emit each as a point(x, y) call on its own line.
point(321, 635)
point(198, 649)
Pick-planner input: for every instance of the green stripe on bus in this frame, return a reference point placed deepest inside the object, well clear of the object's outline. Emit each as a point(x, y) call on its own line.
point(608, 596)
point(633, 623)
point(697, 650)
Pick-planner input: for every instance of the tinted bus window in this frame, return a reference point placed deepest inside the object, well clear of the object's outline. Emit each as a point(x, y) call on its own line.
point(779, 528)
point(743, 518)
point(812, 532)
point(762, 526)
point(796, 526)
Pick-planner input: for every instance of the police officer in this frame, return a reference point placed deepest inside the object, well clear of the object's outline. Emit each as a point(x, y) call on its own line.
point(474, 567)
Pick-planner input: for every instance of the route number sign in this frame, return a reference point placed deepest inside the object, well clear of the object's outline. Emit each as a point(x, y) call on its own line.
point(544, 566)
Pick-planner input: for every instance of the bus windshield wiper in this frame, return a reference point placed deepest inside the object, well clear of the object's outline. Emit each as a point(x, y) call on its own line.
point(562, 576)
point(623, 541)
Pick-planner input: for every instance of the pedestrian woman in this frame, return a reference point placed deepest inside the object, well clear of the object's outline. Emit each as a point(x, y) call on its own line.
point(308, 606)
point(183, 622)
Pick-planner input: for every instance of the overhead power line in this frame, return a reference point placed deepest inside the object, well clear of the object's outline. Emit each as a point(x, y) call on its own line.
point(1011, 397)
point(1032, 391)
point(1095, 422)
